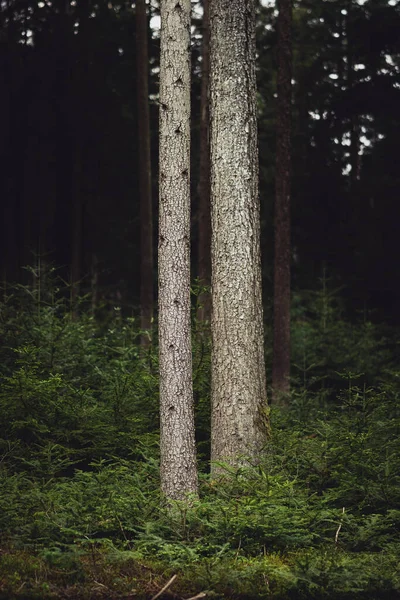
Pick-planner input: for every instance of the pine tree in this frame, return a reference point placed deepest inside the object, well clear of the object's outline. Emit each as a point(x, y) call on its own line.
point(204, 218)
point(178, 456)
point(282, 257)
point(80, 169)
point(146, 211)
point(238, 371)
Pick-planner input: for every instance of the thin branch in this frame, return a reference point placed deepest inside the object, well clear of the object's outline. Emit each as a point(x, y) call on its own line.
point(339, 528)
point(166, 586)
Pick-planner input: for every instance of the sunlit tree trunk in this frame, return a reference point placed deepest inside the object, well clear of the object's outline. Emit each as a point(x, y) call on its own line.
point(146, 212)
point(204, 216)
point(239, 413)
point(178, 455)
point(282, 254)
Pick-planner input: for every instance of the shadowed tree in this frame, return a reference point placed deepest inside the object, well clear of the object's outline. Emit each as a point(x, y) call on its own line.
point(238, 389)
point(354, 158)
point(146, 212)
point(282, 253)
point(177, 443)
point(204, 217)
point(81, 152)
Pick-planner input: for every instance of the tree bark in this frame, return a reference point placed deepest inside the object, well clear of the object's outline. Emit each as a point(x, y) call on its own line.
point(282, 255)
point(82, 152)
point(239, 417)
point(204, 212)
point(178, 454)
point(354, 158)
point(11, 249)
point(146, 211)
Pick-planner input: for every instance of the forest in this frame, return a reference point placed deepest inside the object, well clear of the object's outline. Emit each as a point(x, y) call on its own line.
point(199, 308)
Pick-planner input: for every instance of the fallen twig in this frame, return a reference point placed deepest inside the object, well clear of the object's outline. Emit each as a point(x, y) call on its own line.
point(166, 586)
point(100, 584)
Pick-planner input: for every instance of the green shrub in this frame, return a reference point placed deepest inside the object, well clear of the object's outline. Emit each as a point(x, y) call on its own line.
point(79, 481)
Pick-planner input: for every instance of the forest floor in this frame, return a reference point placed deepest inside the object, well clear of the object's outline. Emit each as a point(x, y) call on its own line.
point(99, 576)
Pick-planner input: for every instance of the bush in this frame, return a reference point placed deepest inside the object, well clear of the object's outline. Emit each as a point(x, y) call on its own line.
point(79, 499)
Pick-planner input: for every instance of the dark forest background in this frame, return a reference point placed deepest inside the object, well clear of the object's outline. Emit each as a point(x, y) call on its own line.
point(69, 146)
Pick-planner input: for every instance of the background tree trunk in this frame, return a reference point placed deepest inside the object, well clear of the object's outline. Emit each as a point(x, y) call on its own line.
point(282, 256)
point(146, 211)
point(11, 246)
point(76, 242)
point(238, 371)
point(178, 454)
point(82, 153)
point(204, 216)
point(354, 158)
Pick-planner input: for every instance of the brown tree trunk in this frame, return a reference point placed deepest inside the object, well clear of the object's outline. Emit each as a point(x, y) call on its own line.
point(355, 158)
point(354, 124)
point(146, 211)
point(282, 257)
point(76, 243)
point(204, 216)
point(10, 272)
point(11, 249)
point(341, 82)
point(239, 417)
point(177, 441)
point(94, 283)
point(82, 152)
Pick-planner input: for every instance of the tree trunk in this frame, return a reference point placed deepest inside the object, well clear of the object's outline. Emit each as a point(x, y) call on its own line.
point(82, 152)
point(94, 284)
point(204, 216)
point(146, 211)
point(341, 83)
point(354, 158)
point(281, 350)
point(178, 453)
point(76, 243)
point(238, 390)
point(11, 214)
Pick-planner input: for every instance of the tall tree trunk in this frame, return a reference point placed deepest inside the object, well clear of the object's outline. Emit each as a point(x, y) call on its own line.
point(94, 283)
point(341, 82)
point(238, 388)
point(178, 453)
point(204, 216)
point(146, 211)
point(354, 119)
point(45, 176)
point(282, 255)
point(11, 249)
point(10, 272)
point(76, 245)
point(355, 158)
point(82, 150)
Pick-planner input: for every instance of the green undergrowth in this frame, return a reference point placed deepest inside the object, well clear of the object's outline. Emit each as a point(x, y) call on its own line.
point(80, 511)
point(111, 573)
